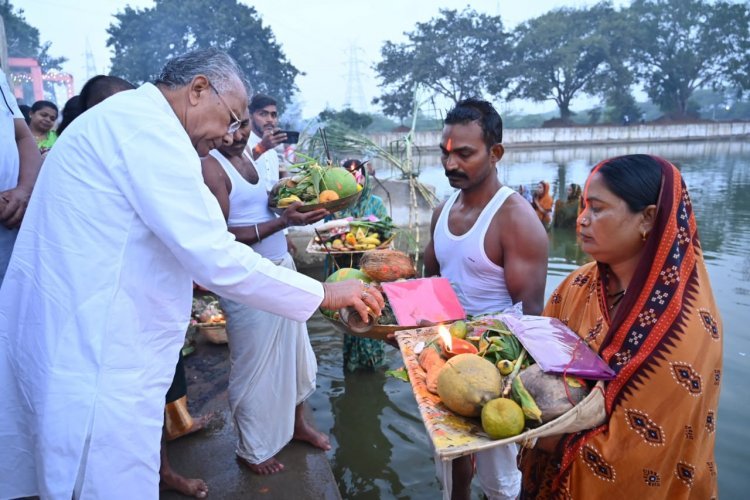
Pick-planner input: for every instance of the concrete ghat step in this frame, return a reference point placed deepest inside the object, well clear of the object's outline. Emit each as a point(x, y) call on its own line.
point(209, 454)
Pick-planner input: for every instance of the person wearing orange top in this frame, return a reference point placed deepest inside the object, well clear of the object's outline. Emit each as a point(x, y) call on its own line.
point(645, 305)
point(542, 202)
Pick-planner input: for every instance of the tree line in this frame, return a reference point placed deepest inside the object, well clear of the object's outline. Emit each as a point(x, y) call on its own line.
point(670, 47)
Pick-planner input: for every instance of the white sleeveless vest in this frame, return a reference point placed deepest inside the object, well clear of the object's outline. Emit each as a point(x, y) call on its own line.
point(248, 205)
point(479, 282)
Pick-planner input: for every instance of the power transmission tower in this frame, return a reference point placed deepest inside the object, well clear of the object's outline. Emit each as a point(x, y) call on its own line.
point(355, 96)
point(90, 64)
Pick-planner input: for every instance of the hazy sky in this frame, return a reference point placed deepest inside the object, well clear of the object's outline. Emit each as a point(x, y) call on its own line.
point(318, 36)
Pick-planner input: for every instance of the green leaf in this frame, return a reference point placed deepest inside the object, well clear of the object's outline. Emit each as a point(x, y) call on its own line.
point(400, 374)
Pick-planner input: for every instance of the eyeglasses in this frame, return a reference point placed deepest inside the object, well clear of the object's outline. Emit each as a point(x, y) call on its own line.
point(235, 125)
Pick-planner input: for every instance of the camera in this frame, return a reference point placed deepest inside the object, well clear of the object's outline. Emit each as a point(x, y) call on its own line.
point(291, 136)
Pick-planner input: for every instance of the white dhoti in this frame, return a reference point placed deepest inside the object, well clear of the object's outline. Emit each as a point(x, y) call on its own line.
point(496, 469)
point(273, 370)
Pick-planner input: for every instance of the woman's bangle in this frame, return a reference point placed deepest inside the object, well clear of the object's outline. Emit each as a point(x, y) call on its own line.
point(257, 233)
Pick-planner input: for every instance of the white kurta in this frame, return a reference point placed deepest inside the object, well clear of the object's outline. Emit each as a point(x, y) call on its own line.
point(97, 296)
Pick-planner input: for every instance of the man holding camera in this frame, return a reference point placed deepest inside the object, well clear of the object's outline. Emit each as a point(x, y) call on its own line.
point(265, 136)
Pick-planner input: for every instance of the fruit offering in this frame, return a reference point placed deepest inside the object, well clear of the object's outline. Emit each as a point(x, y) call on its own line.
point(354, 235)
point(312, 184)
point(497, 381)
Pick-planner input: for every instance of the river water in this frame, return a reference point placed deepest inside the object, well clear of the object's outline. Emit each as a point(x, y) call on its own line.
point(380, 447)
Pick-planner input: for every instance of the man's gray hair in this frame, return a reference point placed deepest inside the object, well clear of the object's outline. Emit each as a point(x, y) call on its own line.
point(216, 65)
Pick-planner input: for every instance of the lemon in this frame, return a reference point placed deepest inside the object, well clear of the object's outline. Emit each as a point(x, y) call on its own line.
point(502, 418)
point(458, 329)
point(505, 366)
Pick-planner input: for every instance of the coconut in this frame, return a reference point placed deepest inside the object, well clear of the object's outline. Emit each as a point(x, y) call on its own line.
point(339, 180)
point(548, 391)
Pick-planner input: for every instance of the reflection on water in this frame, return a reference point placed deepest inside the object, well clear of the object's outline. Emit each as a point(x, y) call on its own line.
point(380, 444)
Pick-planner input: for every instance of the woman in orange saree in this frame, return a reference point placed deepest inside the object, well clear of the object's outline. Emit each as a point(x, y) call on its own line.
point(542, 202)
point(646, 306)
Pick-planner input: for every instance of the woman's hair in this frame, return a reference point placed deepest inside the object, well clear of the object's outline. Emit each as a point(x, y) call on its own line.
point(476, 110)
point(44, 104)
point(99, 88)
point(70, 111)
point(634, 178)
point(216, 65)
point(575, 192)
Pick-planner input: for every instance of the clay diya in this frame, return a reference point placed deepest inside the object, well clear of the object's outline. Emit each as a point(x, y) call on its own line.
point(452, 346)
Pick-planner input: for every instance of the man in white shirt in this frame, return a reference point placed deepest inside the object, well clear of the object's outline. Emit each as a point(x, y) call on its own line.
point(97, 295)
point(265, 136)
point(19, 165)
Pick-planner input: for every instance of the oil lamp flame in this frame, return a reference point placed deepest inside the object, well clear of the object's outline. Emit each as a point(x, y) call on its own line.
point(445, 336)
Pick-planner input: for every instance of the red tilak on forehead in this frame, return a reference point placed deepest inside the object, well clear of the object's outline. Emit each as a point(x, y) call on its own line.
point(448, 145)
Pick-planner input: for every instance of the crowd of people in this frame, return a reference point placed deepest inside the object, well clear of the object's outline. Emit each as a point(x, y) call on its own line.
point(152, 189)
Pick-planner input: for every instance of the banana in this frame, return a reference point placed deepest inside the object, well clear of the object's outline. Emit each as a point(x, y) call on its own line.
point(370, 240)
point(285, 202)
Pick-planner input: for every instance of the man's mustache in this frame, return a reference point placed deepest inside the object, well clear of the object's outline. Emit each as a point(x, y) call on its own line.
point(456, 175)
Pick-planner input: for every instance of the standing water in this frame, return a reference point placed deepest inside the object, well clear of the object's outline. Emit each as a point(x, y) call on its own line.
point(380, 446)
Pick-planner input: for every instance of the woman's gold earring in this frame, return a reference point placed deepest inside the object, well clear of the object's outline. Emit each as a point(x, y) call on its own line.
point(644, 235)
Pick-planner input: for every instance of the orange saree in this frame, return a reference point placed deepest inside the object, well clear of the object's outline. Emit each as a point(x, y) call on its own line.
point(664, 343)
point(543, 204)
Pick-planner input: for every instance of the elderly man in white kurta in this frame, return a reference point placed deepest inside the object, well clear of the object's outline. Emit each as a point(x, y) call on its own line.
point(97, 295)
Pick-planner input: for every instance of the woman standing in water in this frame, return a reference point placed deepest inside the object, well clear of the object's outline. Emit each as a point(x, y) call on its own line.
point(542, 202)
point(566, 212)
point(645, 305)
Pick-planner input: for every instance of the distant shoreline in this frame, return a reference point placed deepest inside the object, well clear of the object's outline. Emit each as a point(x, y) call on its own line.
point(520, 138)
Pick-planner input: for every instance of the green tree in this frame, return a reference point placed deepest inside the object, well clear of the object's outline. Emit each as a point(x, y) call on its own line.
point(23, 39)
point(347, 117)
point(143, 39)
point(560, 54)
point(684, 45)
point(450, 55)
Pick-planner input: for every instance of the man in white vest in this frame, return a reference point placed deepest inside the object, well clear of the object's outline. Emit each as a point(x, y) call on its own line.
point(488, 242)
point(97, 295)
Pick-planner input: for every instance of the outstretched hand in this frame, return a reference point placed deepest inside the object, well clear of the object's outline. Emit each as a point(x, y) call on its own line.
point(354, 293)
point(293, 217)
point(13, 203)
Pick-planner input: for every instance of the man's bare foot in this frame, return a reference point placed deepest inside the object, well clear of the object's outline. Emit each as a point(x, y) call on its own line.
point(202, 422)
point(270, 466)
point(199, 423)
point(303, 431)
point(195, 488)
